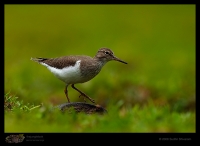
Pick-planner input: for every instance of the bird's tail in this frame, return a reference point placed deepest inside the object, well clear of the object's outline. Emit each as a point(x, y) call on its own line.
point(38, 59)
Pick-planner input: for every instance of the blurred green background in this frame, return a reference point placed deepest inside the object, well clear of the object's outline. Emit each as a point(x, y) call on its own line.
point(154, 92)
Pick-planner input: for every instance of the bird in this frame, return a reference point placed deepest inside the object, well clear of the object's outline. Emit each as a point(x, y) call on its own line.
point(74, 69)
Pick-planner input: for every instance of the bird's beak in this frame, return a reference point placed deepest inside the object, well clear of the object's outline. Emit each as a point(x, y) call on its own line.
point(117, 59)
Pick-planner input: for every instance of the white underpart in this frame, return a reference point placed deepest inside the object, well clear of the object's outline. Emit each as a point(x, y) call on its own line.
point(69, 75)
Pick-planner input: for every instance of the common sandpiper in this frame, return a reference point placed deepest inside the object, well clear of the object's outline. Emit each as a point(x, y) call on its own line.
point(75, 69)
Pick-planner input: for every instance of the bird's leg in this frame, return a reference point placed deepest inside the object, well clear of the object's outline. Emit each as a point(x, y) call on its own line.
point(83, 94)
point(66, 93)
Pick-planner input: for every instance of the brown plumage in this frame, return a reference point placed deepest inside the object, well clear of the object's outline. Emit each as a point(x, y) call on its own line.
point(78, 68)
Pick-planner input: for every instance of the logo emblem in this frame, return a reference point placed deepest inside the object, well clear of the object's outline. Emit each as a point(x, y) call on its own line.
point(15, 138)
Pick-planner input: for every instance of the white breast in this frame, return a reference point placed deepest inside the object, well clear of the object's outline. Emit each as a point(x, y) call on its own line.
point(69, 75)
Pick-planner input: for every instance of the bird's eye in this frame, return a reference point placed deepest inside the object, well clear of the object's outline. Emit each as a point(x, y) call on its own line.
point(107, 53)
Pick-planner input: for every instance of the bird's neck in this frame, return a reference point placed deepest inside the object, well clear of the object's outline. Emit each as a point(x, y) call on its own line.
point(100, 61)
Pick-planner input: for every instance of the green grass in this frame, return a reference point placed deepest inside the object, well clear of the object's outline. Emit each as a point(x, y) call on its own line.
point(149, 118)
point(11, 103)
point(154, 92)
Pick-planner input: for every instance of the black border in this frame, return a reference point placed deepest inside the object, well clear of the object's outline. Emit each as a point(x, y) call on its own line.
point(107, 138)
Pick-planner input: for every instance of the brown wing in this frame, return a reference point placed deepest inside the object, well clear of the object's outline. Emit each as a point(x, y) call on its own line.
point(62, 62)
